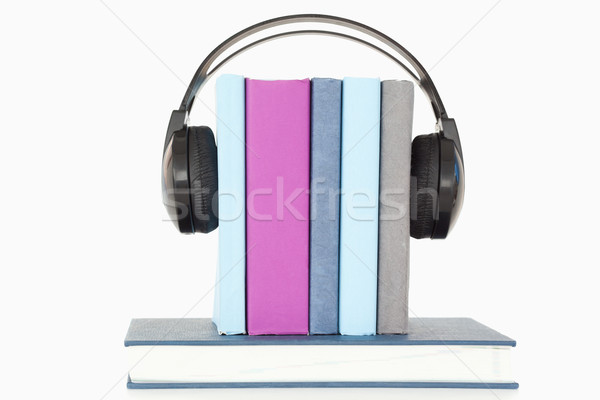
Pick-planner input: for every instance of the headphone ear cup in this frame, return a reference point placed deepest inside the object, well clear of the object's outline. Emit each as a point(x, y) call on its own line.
point(203, 178)
point(425, 163)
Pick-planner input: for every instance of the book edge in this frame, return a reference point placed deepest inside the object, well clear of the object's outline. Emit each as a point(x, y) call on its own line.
point(357, 384)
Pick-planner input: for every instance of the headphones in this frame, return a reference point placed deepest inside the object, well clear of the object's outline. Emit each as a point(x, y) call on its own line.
point(189, 174)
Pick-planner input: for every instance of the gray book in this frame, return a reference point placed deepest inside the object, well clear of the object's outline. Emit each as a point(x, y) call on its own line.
point(172, 353)
point(397, 99)
point(326, 114)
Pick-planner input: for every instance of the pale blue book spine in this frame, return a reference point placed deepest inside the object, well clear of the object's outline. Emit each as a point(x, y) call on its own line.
point(359, 207)
point(325, 140)
point(230, 291)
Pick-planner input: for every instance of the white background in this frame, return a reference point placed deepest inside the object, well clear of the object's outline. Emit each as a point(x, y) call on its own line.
point(86, 91)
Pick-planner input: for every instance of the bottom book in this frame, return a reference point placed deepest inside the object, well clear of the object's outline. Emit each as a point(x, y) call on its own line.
point(436, 353)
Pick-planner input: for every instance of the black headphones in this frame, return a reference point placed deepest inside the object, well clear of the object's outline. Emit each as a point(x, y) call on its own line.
point(189, 175)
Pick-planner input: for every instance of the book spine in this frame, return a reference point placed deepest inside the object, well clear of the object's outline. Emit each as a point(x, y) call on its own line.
point(277, 212)
point(397, 98)
point(326, 113)
point(359, 206)
point(230, 291)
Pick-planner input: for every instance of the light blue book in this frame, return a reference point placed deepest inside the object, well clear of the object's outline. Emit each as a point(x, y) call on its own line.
point(325, 142)
point(359, 207)
point(230, 291)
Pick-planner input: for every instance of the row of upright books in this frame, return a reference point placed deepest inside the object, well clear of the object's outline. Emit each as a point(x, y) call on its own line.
point(314, 187)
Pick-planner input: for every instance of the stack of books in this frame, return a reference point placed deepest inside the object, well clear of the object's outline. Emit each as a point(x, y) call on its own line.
point(312, 282)
point(314, 187)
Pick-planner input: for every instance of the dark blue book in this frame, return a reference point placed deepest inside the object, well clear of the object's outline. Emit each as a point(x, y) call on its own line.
point(436, 353)
point(325, 143)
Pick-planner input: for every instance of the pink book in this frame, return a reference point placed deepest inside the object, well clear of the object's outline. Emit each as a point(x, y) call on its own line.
point(277, 207)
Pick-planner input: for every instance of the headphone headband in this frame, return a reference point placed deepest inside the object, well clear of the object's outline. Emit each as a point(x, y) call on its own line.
point(423, 80)
point(190, 153)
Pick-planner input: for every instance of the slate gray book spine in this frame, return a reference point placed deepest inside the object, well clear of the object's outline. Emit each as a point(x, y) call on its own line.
point(397, 98)
point(326, 96)
point(202, 332)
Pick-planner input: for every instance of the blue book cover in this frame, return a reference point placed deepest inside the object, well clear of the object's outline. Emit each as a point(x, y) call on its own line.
point(185, 345)
point(325, 143)
point(359, 207)
point(230, 290)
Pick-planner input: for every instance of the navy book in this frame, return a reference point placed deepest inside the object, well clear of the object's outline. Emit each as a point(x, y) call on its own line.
point(325, 143)
point(436, 353)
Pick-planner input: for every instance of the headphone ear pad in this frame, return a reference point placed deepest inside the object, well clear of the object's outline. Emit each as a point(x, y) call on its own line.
point(425, 163)
point(203, 177)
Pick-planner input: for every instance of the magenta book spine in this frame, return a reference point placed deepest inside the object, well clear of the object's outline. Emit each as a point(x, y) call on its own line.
point(277, 209)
